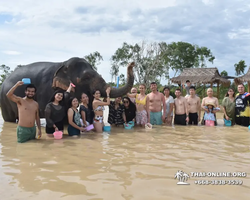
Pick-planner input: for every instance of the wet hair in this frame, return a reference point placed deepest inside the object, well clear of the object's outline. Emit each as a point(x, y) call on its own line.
point(177, 89)
point(83, 94)
point(226, 95)
point(143, 85)
point(192, 87)
point(30, 86)
point(188, 81)
point(153, 83)
point(95, 91)
point(70, 101)
point(131, 105)
point(166, 88)
point(52, 99)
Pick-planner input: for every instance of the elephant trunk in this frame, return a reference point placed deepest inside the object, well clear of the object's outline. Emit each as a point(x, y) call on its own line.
point(118, 92)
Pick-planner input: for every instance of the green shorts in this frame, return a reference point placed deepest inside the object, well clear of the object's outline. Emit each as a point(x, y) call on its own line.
point(25, 134)
point(156, 118)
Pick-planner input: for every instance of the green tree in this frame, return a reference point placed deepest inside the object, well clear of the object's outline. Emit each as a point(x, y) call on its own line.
point(148, 58)
point(122, 79)
point(240, 67)
point(94, 59)
point(5, 72)
point(224, 73)
point(180, 55)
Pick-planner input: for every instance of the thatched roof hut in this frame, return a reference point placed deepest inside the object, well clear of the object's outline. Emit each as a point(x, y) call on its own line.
point(202, 76)
point(244, 78)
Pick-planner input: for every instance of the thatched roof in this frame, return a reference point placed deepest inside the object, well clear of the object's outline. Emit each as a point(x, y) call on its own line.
point(200, 75)
point(244, 78)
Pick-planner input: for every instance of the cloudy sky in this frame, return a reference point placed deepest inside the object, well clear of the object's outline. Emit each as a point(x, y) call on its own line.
point(32, 31)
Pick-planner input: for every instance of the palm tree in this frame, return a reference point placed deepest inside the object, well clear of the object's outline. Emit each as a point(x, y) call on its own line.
point(179, 175)
point(240, 67)
point(185, 177)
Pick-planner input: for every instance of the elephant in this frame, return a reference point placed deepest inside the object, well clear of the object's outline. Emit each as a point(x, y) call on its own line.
point(49, 76)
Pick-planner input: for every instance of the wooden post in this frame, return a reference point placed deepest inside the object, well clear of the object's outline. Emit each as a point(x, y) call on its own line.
point(218, 89)
point(204, 90)
point(211, 85)
point(248, 86)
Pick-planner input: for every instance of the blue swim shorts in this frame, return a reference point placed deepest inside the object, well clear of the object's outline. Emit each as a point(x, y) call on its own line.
point(156, 118)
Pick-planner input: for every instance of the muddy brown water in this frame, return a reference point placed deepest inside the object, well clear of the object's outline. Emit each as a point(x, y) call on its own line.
point(125, 164)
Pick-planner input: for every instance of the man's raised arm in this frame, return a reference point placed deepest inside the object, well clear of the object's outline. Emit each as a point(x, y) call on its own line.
point(11, 95)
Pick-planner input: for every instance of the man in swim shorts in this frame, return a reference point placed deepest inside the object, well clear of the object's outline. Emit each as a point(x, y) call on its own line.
point(155, 102)
point(181, 109)
point(194, 107)
point(242, 103)
point(28, 113)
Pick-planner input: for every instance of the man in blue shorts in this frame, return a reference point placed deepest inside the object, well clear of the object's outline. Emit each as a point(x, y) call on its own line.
point(155, 102)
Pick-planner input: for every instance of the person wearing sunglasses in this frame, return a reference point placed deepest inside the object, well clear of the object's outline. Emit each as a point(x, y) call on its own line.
point(129, 109)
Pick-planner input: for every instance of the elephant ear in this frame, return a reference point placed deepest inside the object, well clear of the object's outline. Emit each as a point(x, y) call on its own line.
point(61, 79)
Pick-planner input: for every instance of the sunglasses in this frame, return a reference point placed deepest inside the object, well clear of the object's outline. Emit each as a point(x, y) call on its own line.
point(125, 102)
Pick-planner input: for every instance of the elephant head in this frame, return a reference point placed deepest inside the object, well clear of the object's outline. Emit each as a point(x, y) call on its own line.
point(80, 73)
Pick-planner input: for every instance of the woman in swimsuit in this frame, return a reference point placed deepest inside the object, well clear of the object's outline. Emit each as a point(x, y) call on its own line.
point(140, 100)
point(98, 107)
point(55, 111)
point(75, 127)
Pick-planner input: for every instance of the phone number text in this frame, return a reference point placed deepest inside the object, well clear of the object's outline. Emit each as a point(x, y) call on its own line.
point(218, 182)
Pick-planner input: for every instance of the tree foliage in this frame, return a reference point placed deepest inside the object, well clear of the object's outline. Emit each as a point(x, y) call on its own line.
point(154, 60)
point(224, 73)
point(5, 72)
point(148, 58)
point(240, 67)
point(94, 59)
point(180, 55)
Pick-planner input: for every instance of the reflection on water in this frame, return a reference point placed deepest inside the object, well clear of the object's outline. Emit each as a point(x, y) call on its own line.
point(126, 164)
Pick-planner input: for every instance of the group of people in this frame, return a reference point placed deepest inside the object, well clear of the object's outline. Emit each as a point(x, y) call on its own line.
point(155, 108)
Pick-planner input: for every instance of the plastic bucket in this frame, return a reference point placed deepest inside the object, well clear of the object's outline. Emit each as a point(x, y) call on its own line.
point(148, 126)
point(209, 123)
point(90, 127)
point(127, 126)
point(58, 135)
point(106, 128)
point(228, 122)
point(26, 81)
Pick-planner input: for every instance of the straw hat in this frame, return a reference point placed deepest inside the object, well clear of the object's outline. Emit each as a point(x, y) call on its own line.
point(210, 103)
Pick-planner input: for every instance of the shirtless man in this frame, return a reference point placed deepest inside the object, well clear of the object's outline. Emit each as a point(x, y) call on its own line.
point(194, 107)
point(181, 116)
point(155, 102)
point(210, 99)
point(28, 113)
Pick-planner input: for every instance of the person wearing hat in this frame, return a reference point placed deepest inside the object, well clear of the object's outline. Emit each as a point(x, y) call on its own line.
point(212, 99)
point(209, 117)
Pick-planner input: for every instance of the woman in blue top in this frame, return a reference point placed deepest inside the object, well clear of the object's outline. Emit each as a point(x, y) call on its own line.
point(74, 117)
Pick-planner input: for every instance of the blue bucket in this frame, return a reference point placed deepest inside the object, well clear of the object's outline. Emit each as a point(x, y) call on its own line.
point(26, 81)
point(129, 125)
point(106, 128)
point(228, 122)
